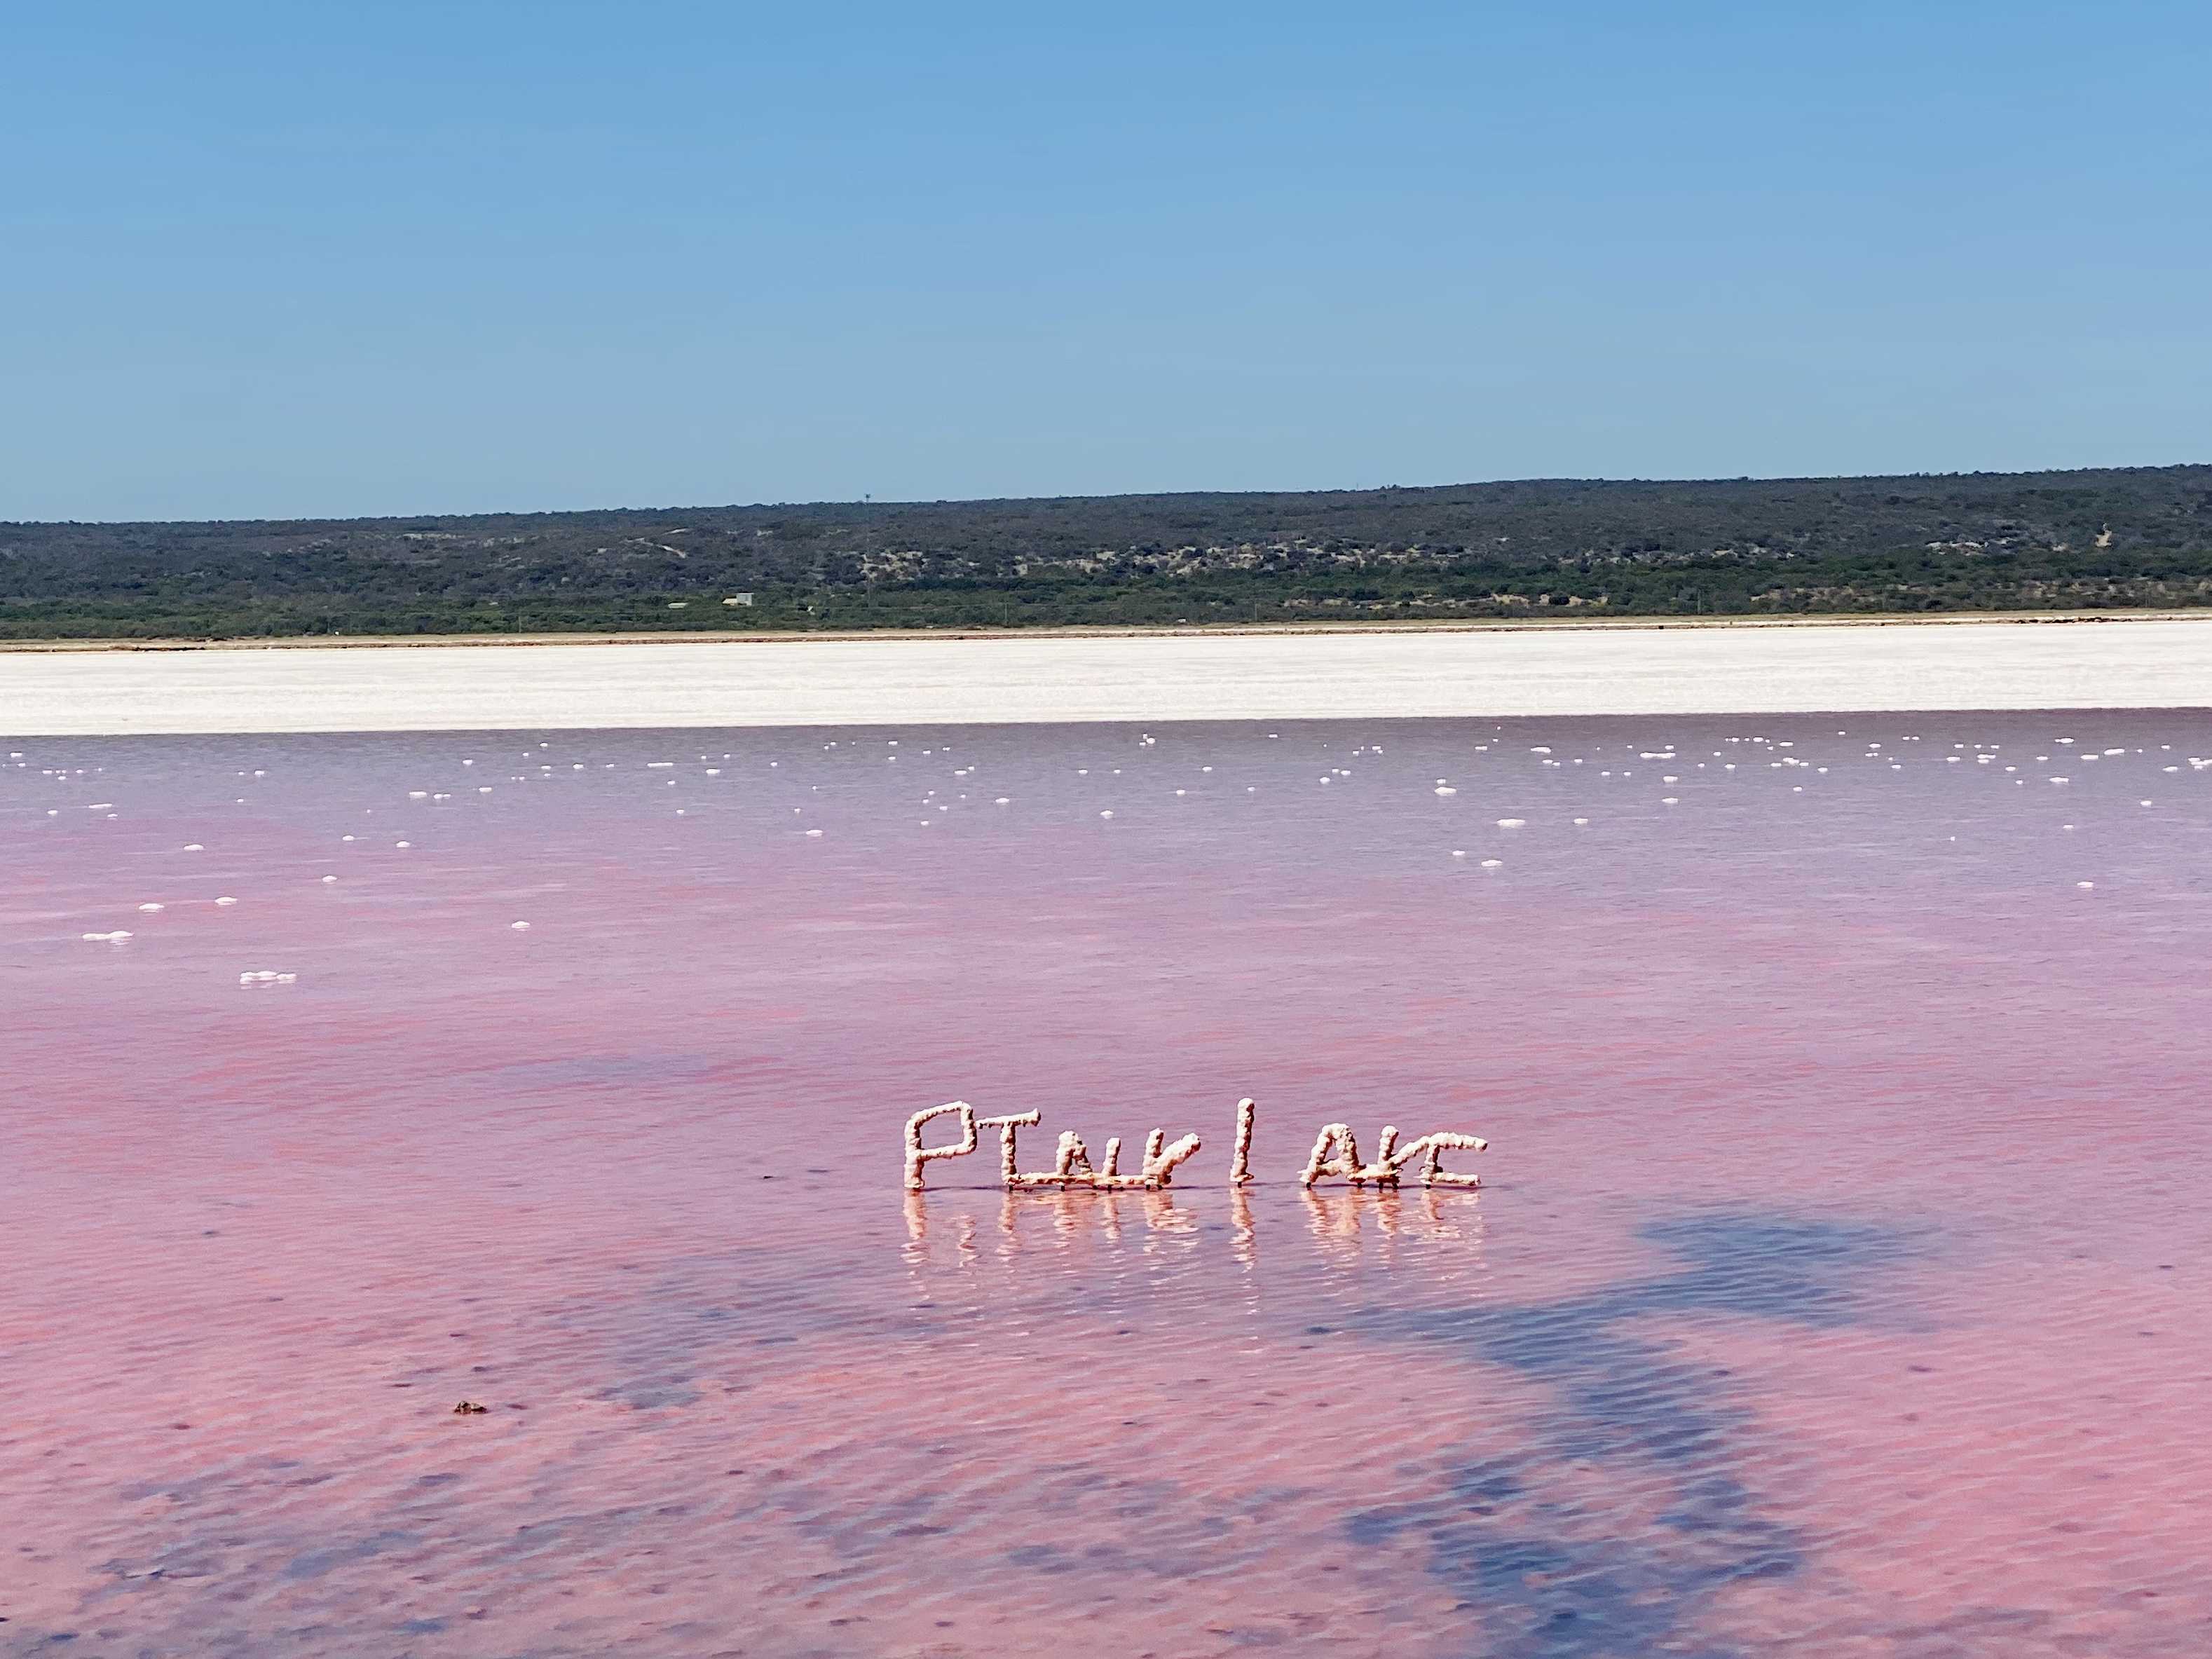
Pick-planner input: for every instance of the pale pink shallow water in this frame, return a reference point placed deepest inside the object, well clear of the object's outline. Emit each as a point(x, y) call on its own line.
point(1839, 1286)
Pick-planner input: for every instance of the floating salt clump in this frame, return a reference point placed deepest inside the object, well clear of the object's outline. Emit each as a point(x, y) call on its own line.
point(403, 843)
point(519, 926)
point(2143, 803)
point(115, 937)
point(328, 879)
point(1459, 852)
point(1106, 814)
point(100, 806)
point(813, 832)
point(266, 976)
point(1676, 800)
point(1666, 779)
point(1442, 789)
point(2085, 885)
point(1511, 824)
point(225, 899)
point(1582, 820)
point(419, 794)
point(1493, 863)
point(194, 847)
point(150, 907)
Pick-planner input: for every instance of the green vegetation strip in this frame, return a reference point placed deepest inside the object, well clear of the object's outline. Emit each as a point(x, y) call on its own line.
point(2115, 540)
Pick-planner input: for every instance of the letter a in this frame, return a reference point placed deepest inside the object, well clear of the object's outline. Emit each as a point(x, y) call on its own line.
point(1335, 1152)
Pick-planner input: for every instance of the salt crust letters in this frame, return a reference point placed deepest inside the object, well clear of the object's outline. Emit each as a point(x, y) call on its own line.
point(1335, 1152)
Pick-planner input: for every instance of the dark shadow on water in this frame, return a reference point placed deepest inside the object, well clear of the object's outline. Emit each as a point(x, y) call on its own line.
point(1517, 1538)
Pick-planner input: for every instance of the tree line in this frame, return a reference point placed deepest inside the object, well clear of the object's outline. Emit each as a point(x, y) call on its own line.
point(2112, 538)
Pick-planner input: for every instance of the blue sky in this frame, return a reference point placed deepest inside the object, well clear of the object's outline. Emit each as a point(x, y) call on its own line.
point(292, 259)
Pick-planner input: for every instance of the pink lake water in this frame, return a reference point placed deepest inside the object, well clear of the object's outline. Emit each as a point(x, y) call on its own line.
point(1838, 1286)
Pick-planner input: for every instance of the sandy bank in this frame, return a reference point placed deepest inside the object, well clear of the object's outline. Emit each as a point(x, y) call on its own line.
point(2134, 662)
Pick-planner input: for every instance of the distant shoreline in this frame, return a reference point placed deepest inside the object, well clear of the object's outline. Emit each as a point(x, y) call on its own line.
point(1290, 631)
point(1134, 677)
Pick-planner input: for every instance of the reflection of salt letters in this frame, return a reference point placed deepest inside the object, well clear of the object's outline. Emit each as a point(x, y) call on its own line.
point(917, 1154)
